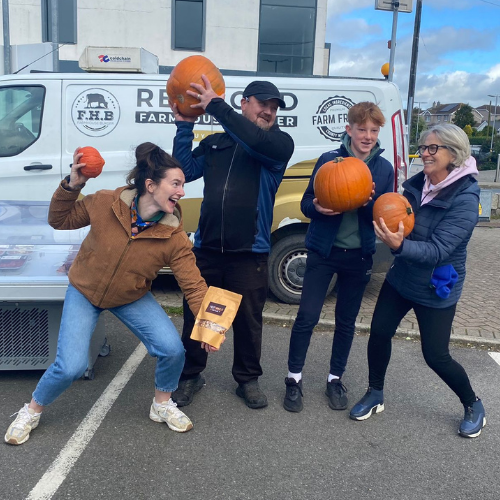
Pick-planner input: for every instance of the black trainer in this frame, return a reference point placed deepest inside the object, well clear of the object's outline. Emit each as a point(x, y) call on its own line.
point(336, 392)
point(293, 396)
point(184, 394)
point(252, 394)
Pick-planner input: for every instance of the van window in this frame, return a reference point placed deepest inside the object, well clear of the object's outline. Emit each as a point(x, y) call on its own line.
point(20, 118)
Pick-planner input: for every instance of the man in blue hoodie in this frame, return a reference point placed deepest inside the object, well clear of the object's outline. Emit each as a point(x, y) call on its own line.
point(341, 243)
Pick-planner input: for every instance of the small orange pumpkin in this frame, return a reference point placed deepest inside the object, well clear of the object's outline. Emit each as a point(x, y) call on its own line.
point(393, 208)
point(343, 184)
point(93, 162)
point(188, 71)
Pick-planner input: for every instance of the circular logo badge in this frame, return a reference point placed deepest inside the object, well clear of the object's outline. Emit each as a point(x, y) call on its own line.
point(95, 112)
point(331, 117)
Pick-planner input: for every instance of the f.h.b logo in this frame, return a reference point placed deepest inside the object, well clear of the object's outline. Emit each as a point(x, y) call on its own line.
point(95, 112)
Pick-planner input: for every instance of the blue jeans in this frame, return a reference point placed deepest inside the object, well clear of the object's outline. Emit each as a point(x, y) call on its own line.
point(144, 317)
point(353, 274)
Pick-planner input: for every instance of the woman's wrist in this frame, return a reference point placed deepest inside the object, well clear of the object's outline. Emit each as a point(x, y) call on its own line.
point(72, 187)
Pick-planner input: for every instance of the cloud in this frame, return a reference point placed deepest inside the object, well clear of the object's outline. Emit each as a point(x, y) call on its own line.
point(446, 71)
point(338, 7)
point(345, 29)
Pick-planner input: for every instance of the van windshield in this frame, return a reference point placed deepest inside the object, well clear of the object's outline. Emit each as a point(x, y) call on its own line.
point(20, 117)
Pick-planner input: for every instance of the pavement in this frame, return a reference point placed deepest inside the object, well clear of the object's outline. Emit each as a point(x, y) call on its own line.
point(477, 320)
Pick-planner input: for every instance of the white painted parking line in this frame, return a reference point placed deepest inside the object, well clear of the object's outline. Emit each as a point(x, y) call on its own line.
point(495, 356)
point(62, 465)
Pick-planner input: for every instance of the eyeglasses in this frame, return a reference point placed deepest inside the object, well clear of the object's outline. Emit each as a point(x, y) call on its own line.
point(433, 149)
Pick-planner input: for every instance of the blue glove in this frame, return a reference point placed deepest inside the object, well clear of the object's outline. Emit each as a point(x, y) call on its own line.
point(443, 279)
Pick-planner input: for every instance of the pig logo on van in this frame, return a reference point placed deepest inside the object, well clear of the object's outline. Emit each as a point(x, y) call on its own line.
point(95, 112)
point(331, 117)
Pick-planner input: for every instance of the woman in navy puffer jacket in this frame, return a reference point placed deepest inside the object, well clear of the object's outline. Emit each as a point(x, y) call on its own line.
point(429, 270)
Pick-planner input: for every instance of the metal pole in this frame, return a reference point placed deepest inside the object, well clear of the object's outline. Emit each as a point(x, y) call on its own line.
point(498, 168)
point(6, 37)
point(54, 23)
point(413, 65)
point(395, 5)
point(494, 120)
point(418, 117)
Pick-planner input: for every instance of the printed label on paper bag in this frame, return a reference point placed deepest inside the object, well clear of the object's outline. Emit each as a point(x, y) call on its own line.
point(215, 308)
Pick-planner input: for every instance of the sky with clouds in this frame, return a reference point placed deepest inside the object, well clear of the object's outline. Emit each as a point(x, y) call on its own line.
point(458, 54)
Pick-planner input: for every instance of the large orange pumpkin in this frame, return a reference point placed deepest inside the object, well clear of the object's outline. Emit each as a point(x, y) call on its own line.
point(343, 184)
point(393, 208)
point(93, 162)
point(188, 71)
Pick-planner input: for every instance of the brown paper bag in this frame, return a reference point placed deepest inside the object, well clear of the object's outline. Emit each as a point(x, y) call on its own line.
point(216, 314)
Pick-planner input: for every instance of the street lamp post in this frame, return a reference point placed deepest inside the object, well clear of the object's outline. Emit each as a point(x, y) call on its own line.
point(418, 116)
point(494, 120)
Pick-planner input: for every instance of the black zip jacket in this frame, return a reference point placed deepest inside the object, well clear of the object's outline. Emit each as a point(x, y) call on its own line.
point(242, 169)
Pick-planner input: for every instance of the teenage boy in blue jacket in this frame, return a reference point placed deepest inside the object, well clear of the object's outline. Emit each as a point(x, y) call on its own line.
point(341, 243)
point(242, 169)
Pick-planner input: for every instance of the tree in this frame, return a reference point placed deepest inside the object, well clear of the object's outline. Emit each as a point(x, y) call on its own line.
point(468, 131)
point(464, 116)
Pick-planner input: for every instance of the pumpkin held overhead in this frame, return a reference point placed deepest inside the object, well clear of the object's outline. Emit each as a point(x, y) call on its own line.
point(188, 71)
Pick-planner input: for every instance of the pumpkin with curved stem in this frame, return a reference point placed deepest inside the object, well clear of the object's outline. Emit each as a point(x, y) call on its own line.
point(393, 208)
point(188, 71)
point(343, 184)
point(93, 162)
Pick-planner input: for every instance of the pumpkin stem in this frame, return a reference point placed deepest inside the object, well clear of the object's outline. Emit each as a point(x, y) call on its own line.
point(409, 211)
point(338, 159)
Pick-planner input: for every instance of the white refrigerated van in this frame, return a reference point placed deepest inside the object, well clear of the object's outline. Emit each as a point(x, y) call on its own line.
point(44, 117)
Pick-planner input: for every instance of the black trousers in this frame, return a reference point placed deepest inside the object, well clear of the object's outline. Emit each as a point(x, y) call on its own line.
point(435, 331)
point(243, 273)
point(353, 273)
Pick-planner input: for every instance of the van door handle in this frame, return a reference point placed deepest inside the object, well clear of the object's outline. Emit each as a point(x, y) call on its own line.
point(38, 167)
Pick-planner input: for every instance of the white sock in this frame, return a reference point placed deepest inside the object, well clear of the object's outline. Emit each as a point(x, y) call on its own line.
point(332, 377)
point(156, 405)
point(35, 414)
point(296, 376)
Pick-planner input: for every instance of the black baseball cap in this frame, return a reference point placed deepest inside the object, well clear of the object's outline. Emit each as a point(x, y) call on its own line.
point(263, 91)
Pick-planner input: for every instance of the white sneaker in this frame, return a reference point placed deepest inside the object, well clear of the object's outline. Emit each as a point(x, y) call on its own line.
point(169, 413)
point(19, 430)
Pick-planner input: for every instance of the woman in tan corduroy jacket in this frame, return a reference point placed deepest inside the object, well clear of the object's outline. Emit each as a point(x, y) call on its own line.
point(134, 231)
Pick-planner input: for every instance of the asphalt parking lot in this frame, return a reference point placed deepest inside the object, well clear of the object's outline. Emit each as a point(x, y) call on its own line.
point(97, 441)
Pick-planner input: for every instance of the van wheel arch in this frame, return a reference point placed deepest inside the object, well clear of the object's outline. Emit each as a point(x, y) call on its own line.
point(287, 265)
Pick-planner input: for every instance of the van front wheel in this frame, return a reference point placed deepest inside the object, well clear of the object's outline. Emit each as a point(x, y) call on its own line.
point(287, 266)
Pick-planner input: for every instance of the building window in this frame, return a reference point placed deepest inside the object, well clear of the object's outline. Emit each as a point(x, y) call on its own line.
point(67, 21)
point(286, 36)
point(427, 118)
point(188, 24)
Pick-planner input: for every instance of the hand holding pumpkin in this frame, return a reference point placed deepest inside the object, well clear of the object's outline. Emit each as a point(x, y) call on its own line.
point(204, 94)
point(392, 240)
point(371, 196)
point(76, 178)
point(178, 116)
point(323, 210)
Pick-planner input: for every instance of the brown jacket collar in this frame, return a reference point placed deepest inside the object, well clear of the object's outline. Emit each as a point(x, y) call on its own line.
point(121, 207)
